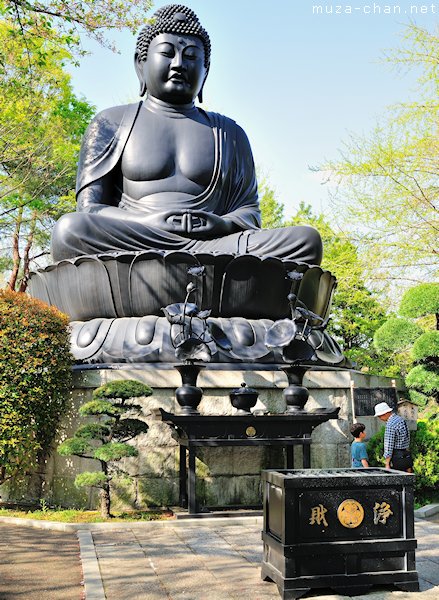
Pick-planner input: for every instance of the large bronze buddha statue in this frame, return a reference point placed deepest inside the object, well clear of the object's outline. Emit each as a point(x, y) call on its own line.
point(166, 190)
point(164, 174)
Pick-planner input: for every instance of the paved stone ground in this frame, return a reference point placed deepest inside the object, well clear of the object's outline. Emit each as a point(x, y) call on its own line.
point(202, 560)
point(208, 561)
point(38, 564)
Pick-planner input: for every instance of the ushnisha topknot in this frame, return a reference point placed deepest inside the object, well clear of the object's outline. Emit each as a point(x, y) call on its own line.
point(173, 18)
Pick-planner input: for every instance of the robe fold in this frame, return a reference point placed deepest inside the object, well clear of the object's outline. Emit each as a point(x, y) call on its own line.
point(231, 193)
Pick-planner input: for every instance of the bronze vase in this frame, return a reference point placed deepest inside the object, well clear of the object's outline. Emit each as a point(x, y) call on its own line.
point(189, 395)
point(296, 395)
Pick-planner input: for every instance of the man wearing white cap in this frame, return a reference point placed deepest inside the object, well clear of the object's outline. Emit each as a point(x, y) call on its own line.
point(396, 439)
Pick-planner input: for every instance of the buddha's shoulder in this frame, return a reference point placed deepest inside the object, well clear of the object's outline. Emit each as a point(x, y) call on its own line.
point(106, 122)
point(226, 123)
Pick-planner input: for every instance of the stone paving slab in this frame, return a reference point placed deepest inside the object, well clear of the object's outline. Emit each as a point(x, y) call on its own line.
point(39, 564)
point(206, 560)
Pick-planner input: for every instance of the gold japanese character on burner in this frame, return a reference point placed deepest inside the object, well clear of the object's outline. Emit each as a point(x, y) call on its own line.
point(381, 512)
point(318, 515)
point(350, 513)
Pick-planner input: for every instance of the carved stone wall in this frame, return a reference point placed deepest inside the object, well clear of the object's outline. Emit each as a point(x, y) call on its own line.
point(225, 476)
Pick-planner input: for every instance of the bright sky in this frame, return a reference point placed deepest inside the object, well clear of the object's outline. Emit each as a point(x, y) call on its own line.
point(297, 82)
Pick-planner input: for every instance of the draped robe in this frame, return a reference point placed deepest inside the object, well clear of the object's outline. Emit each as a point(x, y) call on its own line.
point(231, 193)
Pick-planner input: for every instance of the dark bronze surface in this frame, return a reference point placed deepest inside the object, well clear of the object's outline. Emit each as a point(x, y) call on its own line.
point(281, 430)
point(347, 529)
point(164, 174)
point(163, 185)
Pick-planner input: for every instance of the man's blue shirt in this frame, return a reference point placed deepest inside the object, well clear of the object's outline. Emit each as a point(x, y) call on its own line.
point(396, 436)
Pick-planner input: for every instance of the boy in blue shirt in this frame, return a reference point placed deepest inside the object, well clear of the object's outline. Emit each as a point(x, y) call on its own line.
point(358, 447)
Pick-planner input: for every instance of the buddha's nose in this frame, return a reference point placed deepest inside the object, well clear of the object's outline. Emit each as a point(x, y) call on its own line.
point(177, 61)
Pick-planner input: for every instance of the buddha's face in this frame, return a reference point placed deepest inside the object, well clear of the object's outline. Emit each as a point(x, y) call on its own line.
point(174, 70)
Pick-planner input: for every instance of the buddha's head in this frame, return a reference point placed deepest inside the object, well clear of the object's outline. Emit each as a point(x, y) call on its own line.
point(172, 55)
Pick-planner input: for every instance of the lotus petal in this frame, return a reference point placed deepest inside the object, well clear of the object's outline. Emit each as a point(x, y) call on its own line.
point(219, 337)
point(280, 333)
point(193, 349)
point(196, 271)
point(179, 308)
point(173, 319)
point(204, 314)
point(294, 275)
point(298, 350)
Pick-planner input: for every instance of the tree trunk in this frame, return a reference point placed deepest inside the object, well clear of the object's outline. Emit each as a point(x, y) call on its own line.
point(26, 252)
point(105, 494)
point(16, 258)
point(105, 501)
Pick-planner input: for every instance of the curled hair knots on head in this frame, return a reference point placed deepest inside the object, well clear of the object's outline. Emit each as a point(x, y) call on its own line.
point(173, 18)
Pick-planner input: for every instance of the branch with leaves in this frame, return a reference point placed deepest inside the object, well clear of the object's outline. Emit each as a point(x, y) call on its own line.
point(68, 20)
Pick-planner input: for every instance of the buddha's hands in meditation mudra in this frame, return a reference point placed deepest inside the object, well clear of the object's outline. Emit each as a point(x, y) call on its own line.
point(164, 174)
point(196, 224)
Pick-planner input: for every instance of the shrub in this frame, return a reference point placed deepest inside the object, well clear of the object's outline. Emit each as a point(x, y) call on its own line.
point(420, 301)
point(426, 348)
point(375, 449)
point(423, 379)
point(425, 448)
point(396, 335)
point(35, 379)
point(420, 364)
point(107, 441)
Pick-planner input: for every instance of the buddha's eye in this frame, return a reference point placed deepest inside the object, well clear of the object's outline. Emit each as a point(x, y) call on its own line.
point(191, 54)
point(167, 50)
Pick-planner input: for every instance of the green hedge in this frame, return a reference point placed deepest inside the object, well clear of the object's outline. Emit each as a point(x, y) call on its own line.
point(424, 444)
point(35, 378)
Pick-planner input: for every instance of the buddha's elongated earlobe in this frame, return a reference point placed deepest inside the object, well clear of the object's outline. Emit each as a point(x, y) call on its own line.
point(200, 93)
point(138, 65)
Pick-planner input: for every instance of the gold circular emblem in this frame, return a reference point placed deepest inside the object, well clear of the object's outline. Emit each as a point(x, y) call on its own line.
point(250, 432)
point(350, 513)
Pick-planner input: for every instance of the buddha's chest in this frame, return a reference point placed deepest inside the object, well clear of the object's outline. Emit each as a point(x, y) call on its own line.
point(162, 147)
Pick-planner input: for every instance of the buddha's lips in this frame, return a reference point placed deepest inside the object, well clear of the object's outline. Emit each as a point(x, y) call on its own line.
point(178, 78)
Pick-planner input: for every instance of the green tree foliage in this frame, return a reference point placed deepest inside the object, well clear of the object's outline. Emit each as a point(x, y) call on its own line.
point(421, 301)
point(396, 335)
point(272, 211)
point(356, 312)
point(35, 379)
point(418, 339)
point(107, 440)
point(424, 379)
point(426, 347)
point(41, 125)
point(387, 182)
point(65, 21)
point(424, 445)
